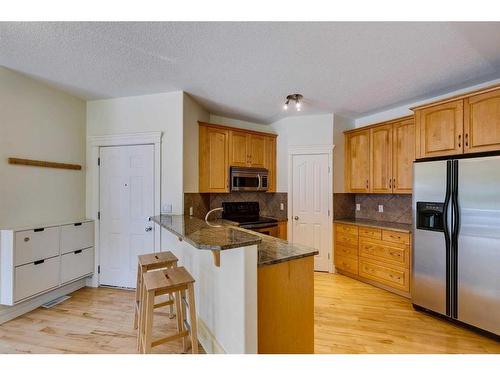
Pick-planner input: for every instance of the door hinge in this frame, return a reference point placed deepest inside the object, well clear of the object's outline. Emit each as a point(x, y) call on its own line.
point(329, 170)
point(328, 255)
point(99, 269)
point(98, 161)
point(328, 212)
point(99, 215)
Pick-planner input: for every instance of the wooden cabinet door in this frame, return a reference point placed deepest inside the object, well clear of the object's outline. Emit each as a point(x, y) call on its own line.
point(239, 152)
point(270, 162)
point(381, 159)
point(214, 160)
point(403, 153)
point(482, 122)
point(357, 158)
point(440, 129)
point(257, 147)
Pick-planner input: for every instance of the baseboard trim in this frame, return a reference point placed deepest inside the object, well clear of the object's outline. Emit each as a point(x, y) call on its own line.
point(208, 340)
point(11, 312)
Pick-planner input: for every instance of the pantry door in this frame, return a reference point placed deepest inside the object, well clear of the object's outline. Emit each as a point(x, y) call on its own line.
point(311, 223)
point(126, 201)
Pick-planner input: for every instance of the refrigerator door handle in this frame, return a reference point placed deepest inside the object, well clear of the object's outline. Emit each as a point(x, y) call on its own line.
point(453, 280)
point(447, 235)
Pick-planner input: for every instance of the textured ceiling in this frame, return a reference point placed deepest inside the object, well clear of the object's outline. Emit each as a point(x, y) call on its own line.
point(246, 69)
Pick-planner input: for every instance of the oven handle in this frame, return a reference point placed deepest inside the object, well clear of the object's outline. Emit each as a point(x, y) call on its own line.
point(260, 181)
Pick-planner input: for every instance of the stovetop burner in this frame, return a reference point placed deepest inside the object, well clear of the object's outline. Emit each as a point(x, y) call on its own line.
point(245, 213)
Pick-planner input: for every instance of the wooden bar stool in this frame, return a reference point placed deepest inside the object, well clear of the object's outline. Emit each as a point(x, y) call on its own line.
point(150, 262)
point(175, 281)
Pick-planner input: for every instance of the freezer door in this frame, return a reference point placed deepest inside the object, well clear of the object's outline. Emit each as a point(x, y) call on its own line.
point(429, 247)
point(479, 243)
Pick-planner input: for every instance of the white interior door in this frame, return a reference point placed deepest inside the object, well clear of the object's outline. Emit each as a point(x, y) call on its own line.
point(126, 194)
point(311, 224)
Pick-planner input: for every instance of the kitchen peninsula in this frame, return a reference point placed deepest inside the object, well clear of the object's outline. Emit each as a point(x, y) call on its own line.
point(254, 293)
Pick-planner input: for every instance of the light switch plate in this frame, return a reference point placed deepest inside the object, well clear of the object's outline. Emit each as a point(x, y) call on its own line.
point(358, 207)
point(380, 208)
point(282, 206)
point(190, 211)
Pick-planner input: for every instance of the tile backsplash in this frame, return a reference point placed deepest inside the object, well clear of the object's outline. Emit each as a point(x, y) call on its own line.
point(397, 207)
point(269, 202)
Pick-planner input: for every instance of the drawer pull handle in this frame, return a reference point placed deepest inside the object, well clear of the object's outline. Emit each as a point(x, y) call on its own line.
point(26, 239)
point(39, 262)
point(77, 224)
point(38, 230)
point(78, 251)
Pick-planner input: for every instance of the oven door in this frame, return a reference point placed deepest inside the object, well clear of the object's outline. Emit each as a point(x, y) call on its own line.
point(271, 230)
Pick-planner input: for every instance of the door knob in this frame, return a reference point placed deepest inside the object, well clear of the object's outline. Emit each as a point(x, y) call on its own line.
point(148, 229)
point(296, 218)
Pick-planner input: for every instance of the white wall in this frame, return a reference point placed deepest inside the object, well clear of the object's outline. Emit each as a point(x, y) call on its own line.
point(214, 119)
point(158, 112)
point(404, 110)
point(340, 124)
point(299, 131)
point(40, 122)
point(192, 113)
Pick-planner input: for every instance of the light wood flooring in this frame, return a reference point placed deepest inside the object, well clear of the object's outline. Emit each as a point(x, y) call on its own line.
point(350, 317)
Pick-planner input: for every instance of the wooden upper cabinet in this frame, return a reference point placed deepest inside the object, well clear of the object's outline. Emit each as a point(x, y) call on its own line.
point(482, 122)
point(270, 162)
point(403, 154)
point(381, 159)
point(239, 152)
point(357, 161)
point(213, 160)
point(257, 147)
point(440, 129)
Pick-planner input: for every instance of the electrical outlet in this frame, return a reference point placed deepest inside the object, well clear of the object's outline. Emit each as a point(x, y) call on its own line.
point(380, 208)
point(282, 206)
point(190, 211)
point(358, 207)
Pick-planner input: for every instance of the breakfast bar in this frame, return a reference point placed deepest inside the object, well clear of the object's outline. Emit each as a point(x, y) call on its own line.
point(254, 293)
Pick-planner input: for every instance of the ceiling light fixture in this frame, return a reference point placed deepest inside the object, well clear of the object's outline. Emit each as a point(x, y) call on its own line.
point(297, 98)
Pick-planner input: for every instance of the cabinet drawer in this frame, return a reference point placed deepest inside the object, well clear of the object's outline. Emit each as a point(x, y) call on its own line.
point(346, 251)
point(346, 239)
point(393, 277)
point(393, 236)
point(36, 244)
point(346, 229)
point(346, 264)
point(77, 264)
point(77, 236)
point(396, 254)
point(32, 278)
point(370, 232)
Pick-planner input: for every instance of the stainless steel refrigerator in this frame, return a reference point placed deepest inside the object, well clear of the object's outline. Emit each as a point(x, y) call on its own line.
point(456, 242)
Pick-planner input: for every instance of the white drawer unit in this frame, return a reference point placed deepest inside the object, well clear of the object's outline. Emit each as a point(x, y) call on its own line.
point(36, 244)
point(37, 277)
point(77, 236)
point(37, 260)
point(76, 264)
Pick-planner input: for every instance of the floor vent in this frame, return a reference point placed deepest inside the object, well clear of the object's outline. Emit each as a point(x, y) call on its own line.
point(54, 302)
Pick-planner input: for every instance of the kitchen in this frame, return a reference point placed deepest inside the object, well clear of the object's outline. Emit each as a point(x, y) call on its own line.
point(307, 232)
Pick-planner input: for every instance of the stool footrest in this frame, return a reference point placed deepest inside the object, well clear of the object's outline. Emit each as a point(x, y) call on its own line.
point(170, 338)
point(161, 304)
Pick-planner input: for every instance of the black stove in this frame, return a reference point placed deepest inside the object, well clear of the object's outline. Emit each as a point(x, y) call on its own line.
point(247, 214)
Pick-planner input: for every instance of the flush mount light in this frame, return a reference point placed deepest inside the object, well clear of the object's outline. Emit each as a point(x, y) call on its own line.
point(297, 98)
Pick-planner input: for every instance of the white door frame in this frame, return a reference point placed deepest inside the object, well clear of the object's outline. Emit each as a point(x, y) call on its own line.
point(94, 143)
point(313, 150)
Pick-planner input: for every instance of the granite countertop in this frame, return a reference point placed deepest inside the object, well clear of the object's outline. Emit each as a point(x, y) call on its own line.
point(205, 236)
point(399, 227)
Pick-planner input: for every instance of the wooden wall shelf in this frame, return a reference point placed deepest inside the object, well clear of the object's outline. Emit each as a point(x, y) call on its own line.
point(45, 164)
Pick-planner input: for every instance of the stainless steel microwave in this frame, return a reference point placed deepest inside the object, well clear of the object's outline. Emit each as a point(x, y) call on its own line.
point(249, 179)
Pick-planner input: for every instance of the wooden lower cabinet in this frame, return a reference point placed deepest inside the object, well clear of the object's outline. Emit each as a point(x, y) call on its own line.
point(377, 256)
point(286, 307)
point(283, 230)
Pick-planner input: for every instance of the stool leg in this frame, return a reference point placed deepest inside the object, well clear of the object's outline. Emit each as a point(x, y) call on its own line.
point(185, 343)
point(171, 297)
point(148, 332)
point(178, 313)
point(142, 315)
point(192, 318)
point(137, 297)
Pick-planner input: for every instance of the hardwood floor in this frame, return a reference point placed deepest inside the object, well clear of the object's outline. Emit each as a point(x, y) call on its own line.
point(350, 317)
